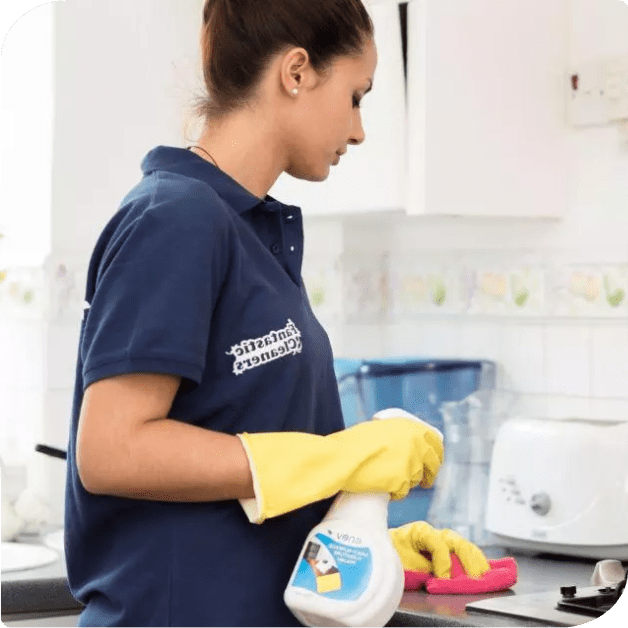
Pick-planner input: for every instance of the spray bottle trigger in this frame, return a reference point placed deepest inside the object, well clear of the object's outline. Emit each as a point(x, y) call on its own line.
point(390, 413)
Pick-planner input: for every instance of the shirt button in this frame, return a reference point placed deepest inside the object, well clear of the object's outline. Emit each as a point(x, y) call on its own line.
point(292, 249)
point(276, 249)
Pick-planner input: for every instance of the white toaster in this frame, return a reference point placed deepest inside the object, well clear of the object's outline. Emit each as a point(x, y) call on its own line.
point(560, 486)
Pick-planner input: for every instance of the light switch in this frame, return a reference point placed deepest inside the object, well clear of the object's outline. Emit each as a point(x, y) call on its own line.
point(598, 92)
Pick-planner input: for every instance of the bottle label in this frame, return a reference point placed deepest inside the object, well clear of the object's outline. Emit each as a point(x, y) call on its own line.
point(334, 569)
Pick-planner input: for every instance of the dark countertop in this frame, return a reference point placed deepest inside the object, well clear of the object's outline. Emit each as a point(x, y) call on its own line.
point(536, 574)
point(44, 591)
point(37, 592)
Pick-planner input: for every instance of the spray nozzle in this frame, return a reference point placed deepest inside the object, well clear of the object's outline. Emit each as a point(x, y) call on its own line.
point(395, 413)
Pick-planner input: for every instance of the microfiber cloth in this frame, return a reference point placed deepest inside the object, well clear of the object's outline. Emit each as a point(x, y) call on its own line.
point(502, 575)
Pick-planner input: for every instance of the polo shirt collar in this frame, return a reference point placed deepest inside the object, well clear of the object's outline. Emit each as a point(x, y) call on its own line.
point(189, 164)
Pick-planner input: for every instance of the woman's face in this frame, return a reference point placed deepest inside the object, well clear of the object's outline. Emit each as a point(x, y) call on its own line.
point(324, 118)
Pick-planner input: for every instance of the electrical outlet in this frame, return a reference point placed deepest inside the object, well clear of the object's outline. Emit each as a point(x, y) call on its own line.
point(615, 88)
point(586, 103)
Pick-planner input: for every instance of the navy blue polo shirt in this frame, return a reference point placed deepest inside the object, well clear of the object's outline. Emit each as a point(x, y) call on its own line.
point(195, 276)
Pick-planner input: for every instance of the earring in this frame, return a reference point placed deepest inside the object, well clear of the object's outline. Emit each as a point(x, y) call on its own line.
point(295, 91)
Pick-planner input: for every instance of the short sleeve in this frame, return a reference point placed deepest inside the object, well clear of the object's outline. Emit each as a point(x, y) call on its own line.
point(153, 299)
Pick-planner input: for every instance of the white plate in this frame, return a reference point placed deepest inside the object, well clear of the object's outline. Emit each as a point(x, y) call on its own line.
point(18, 556)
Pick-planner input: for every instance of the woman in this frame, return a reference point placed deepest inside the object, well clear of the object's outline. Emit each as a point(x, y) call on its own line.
point(205, 398)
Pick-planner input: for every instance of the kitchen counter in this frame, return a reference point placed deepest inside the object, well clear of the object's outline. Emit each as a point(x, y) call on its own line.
point(44, 592)
point(536, 574)
point(38, 593)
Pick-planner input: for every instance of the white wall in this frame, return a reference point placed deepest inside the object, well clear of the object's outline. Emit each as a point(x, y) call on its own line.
point(26, 108)
point(111, 81)
point(125, 71)
point(563, 353)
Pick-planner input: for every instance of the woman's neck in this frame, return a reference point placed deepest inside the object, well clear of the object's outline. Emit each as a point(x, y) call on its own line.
point(243, 149)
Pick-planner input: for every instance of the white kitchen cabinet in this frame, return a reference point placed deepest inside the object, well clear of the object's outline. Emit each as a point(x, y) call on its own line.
point(370, 177)
point(487, 128)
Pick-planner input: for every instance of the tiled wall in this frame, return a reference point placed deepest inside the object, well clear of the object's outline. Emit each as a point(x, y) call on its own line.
point(558, 328)
point(40, 310)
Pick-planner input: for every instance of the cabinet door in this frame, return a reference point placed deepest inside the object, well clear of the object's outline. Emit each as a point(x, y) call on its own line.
point(371, 176)
point(486, 107)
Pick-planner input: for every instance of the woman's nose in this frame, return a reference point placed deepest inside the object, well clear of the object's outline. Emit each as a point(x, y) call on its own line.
point(358, 136)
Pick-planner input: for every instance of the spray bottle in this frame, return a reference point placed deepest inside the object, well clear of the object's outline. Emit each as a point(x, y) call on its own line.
point(349, 573)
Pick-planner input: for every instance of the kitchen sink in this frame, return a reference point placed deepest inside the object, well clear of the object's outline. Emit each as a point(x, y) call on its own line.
point(55, 541)
point(18, 556)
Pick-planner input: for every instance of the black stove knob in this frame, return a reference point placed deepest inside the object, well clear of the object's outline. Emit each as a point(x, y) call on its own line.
point(568, 591)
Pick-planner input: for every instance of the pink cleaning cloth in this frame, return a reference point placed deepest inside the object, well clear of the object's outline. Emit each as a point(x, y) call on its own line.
point(415, 579)
point(502, 575)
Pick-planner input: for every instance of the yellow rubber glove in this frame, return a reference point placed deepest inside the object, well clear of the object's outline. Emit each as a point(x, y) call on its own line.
point(293, 469)
point(423, 548)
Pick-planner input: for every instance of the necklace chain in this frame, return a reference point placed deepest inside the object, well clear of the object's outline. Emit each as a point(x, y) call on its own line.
point(207, 153)
point(216, 164)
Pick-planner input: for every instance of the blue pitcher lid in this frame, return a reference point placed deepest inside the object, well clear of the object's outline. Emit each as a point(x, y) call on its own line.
point(370, 368)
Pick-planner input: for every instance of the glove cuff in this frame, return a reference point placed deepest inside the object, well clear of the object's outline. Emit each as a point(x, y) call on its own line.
point(253, 506)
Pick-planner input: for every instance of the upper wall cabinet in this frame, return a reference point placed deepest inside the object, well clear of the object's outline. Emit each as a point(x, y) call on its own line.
point(487, 131)
point(370, 176)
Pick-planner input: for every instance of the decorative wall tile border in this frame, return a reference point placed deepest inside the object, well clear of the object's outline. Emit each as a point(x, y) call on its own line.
point(425, 286)
point(504, 290)
point(377, 288)
point(397, 287)
point(589, 291)
point(322, 281)
point(22, 293)
point(66, 280)
point(52, 291)
point(365, 287)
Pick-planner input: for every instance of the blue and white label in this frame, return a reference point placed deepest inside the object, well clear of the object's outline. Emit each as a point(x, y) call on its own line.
point(333, 569)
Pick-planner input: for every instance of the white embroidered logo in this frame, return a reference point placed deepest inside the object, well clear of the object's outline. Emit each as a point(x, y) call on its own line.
point(274, 345)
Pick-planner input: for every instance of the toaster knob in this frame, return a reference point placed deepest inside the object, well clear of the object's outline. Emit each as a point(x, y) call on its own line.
point(541, 503)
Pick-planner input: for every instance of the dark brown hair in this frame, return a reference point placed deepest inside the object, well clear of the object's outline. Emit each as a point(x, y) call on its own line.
point(240, 37)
